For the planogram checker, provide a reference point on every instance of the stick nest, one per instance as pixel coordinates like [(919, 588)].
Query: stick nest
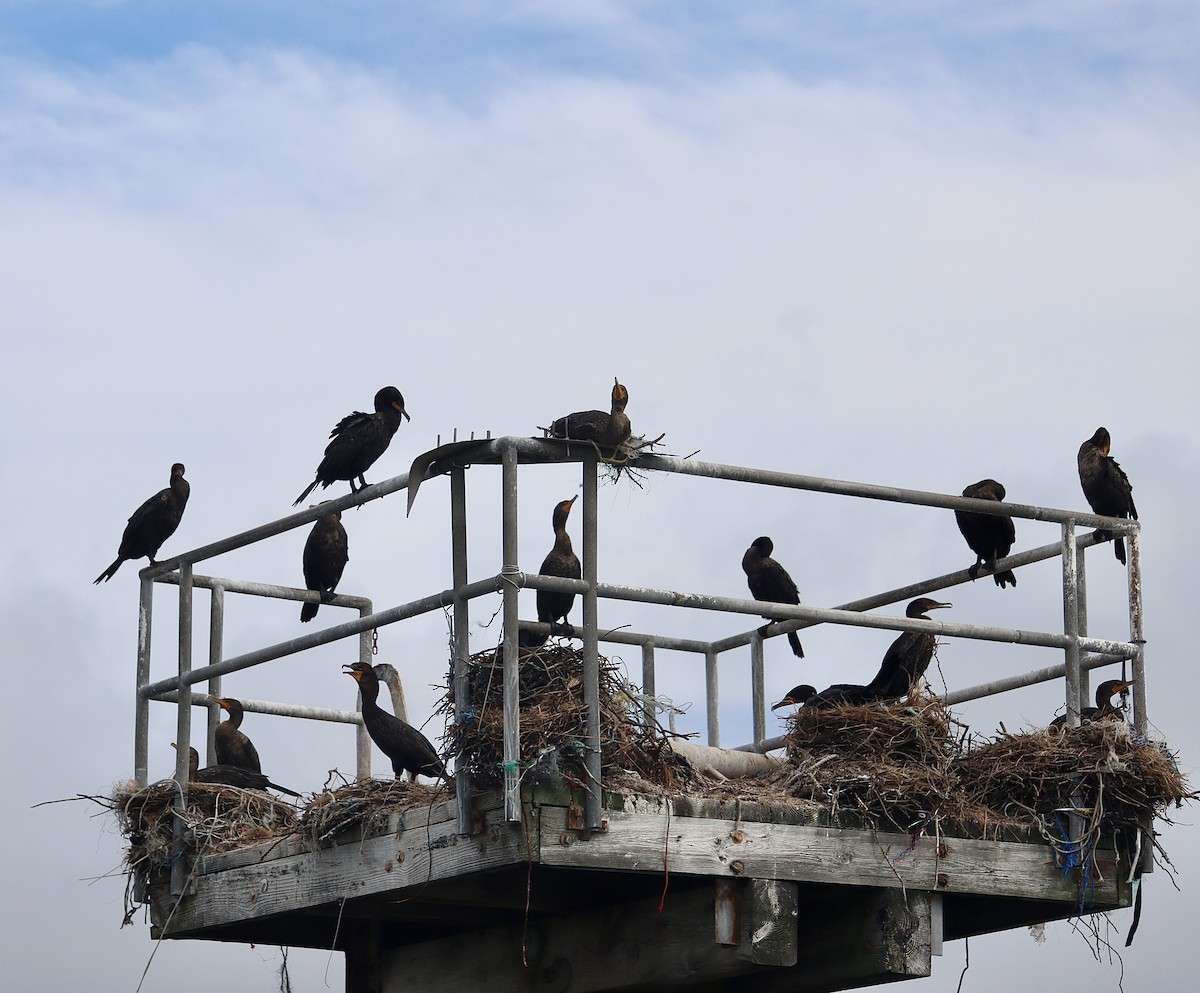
[(554, 721), (898, 767), (367, 806), (218, 818)]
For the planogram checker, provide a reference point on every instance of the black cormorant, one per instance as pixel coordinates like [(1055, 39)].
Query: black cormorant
[(399, 741), (232, 746), (230, 775), (358, 440), (1105, 485), (152, 523), (1104, 706), (562, 562), (768, 580), (907, 657), (325, 556), (606, 429), (990, 537), (838, 693)]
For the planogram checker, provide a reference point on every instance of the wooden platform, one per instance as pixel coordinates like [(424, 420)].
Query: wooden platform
[(752, 896)]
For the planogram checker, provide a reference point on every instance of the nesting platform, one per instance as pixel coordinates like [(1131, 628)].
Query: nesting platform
[(679, 893)]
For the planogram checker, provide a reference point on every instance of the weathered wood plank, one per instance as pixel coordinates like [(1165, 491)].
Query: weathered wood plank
[(307, 879), (639, 842)]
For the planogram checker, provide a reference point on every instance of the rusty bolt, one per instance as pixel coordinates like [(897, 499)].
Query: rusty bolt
[(389, 865), (737, 867), (942, 880), (564, 839), (737, 837)]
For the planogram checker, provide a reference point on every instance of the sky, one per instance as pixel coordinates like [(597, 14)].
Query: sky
[(914, 245)]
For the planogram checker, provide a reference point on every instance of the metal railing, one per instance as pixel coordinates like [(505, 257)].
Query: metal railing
[(1081, 652)]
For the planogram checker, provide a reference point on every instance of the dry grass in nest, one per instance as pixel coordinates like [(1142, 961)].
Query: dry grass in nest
[(366, 806), (885, 766), (553, 721), (1101, 768), (219, 818)]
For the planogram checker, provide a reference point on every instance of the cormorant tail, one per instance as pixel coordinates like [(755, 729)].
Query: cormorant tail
[(794, 641)]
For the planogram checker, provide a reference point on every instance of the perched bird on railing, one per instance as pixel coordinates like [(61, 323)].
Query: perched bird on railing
[(838, 693), (407, 748), (1105, 485), (908, 656), (152, 523), (607, 430), (990, 537), (1104, 708), (562, 562), (232, 746), (229, 775), (325, 556), (358, 440), (768, 580)]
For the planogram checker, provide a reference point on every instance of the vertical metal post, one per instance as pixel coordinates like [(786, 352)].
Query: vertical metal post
[(1137, 634), (183, 729), (648, 683), (462, 633), (1071, 623), (712, 698), (591, 644), (758, 689), (1081, 618), (362, 740), (512, 683), (141, 705), (216, 639)]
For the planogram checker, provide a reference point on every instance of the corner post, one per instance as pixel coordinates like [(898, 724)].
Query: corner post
[(591, 642), (462, 633), (511, 756)]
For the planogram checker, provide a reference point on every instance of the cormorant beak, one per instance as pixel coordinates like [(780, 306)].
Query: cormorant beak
[(571, 502), (400, 407), (937, 605), (175, 746), (349, 671), (787, 701), (222, 704)]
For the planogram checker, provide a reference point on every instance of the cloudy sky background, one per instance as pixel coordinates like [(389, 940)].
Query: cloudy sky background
[(912, 247)]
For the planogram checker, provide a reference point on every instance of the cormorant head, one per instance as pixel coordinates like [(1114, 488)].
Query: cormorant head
[(620, 395), (193, 758), (391, 397), (233, 706), (1110, 688), (985, 489), (177, 470), (797, 694), (562, 510), (1102, 440), (361, 671), (919, 606), (764, 545)]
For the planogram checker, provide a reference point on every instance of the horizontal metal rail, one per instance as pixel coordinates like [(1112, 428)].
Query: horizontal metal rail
[(273, 708), (268, 590)]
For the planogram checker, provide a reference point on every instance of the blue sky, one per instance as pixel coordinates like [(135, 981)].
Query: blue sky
[(913, 244)]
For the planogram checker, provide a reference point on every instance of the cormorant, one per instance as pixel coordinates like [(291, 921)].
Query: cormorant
[(907, 657), (233, 747), (152, 523), (606, 429), (1104, 706), (325, 556), (401, 742), (1105, 485), (358, 440), (230, 775), (562, 562), (768, 580), (838, 693), (990, 537)]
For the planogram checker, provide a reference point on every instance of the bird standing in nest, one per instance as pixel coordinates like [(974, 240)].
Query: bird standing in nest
[(407, 748), (232, 746), (1105, 485), (608, 430), (562, 562), (152, 523), (326, 553), (229, 775), (358, 440), (768, 580), (908, 656), (990, 537), (1104, 708)]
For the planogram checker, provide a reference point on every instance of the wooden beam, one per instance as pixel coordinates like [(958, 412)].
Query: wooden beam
[(624, 946), (641, 842)]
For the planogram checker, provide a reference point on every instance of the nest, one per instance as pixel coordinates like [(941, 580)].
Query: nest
[(884, 766), (366, 806), (217, 819), (554, 721), (899, 766), (1101, 769)]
